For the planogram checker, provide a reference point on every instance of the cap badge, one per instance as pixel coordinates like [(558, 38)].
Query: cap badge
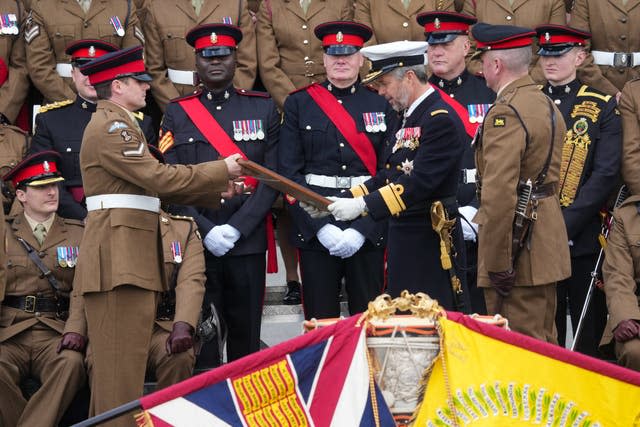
[(436, 23), (339, 37), (45, 166), (92, 51), (214, 38), (547, 37)]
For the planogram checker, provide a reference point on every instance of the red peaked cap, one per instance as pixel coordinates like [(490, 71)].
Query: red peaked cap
[(113, 65)]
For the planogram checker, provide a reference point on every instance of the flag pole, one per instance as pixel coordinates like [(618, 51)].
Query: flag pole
[(109, 415)]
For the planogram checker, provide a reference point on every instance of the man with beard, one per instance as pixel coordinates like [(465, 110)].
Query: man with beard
[(416, 188)]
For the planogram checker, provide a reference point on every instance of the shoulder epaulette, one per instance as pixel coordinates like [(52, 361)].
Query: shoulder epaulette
[(195, 93), (138, 115), (182, 217), (436, 112), (591, 92), (14, 128), (252, 93), (302, 88), (54, 105), (73, 222)]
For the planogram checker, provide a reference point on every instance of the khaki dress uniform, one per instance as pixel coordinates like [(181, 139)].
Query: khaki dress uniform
[(391, 21), (13, 91), (34, 353), (522, 13), (630, 111), (13, 146), (290, 55), (621, 272), (513, 146), (120, 271), (185, 275), (54, 24), (165, 27), (613, 29)]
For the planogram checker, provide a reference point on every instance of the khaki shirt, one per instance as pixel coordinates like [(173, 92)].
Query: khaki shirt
[(122, 246), (166, 24), (14, 90), (510, 150), (54, 24), (190, 277), (391, 22), (621, 267), (522, 13), (25, 278), (290, 54), (13, 146)]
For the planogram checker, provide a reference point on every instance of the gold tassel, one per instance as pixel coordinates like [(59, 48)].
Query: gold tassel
[(143, 419)]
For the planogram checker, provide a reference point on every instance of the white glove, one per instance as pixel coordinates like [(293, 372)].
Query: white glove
[(230, 232), (329, 235), (313, 211), (469, 228), (350, 243), (216, 242), (344, 209)]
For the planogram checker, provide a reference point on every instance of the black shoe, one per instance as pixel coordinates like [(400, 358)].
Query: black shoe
[(292, 297)]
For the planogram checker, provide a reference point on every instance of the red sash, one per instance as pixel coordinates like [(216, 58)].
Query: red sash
[(341, 118), (462, 112), (220, 141)]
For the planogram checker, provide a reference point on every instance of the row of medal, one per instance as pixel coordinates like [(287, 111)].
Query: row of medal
[(9, 24), (407, 138), (176, 252), (374, 122), (67, 256), (477, 112), (117, 25), (245, 130)]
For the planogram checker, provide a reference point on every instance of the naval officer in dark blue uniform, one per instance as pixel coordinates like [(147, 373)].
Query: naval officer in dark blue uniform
[(215, 121), (421, 168), (589, 172), (60, 126), (447, 35), (333, 137)]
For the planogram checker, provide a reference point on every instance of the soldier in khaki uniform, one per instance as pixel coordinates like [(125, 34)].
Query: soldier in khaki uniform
[(120, 272), (14, 80), (613, 24), (290, 55), (520, 139), (169, 57), (629, 107), (53, 24), (394, 20), (171, 355), (34, 308), (621, 271), (523, 13), (13, 147)]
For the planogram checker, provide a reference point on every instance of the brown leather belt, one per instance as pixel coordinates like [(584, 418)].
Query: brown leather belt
[(543, 191), (31, 303)]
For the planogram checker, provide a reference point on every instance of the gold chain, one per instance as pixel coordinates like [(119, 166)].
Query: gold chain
[(372, 391), (445, 375)]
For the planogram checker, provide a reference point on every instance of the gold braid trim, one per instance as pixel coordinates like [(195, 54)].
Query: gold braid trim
[(359, 190), (143, 419), (391, 195)]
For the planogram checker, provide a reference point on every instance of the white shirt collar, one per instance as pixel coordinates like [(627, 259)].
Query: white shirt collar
[(418, 101)]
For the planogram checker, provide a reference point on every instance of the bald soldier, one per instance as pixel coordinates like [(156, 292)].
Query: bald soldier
[(518, 152), (120, 272), (169, 57)]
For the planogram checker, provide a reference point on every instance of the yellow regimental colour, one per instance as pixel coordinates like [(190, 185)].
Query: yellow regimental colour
[(483, 381)]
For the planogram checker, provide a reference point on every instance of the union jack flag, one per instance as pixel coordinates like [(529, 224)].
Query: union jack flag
[(319, 379)]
